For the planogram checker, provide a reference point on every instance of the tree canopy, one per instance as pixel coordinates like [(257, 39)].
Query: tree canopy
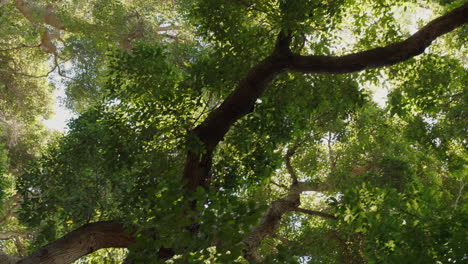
[(234, 131)]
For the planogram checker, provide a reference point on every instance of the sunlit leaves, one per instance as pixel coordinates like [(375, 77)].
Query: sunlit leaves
[(417, 226)]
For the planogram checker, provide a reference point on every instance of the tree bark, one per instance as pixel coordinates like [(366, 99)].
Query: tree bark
[(80, 242), (37, 14), (238, 104)]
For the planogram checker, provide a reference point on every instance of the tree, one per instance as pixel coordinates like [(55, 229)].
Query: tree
[(255, 140)]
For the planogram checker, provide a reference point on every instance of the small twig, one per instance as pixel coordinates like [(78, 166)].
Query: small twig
[(59, 70), (283, 240), (330, 151), (202, 113), (280, 185), (33, 76), (56, 67), (168, 28), (315, 213)]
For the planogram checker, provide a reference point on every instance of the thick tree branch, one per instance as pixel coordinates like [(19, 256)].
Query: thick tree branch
[(382, 56), (126, 40), (37, 14), (47, 45), (280, 185), (238, 104), (242, 100), (80, 242)]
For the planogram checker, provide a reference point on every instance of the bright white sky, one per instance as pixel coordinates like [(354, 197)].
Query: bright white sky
[(62, 114)]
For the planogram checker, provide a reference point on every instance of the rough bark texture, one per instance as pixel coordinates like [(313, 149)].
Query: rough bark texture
[(37, 14), (80, 242), (10, 234)]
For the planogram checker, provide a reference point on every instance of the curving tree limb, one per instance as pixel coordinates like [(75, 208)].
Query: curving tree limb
[(242, 100), (382, 56), (315, 213), (82, 241), (36, 14)]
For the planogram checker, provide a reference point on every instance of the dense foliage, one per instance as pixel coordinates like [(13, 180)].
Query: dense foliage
[(317, 171)]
